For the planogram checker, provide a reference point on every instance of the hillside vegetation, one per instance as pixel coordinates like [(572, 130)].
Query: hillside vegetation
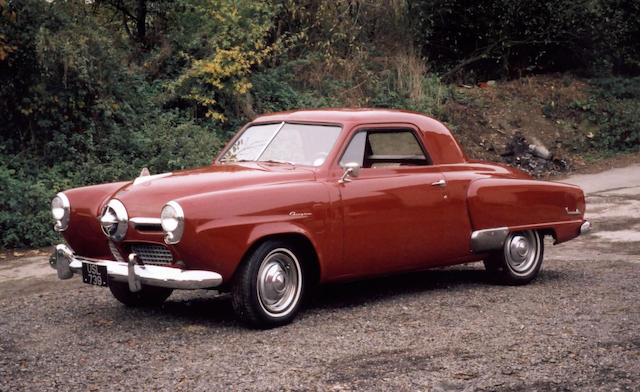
[(93, 91)]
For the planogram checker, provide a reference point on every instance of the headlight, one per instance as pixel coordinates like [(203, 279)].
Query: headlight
[(60, 209), (172, 220)]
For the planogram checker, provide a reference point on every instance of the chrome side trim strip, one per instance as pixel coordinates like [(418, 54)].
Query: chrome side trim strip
[(66, 263), (143, 221), (488, 239), (576, 212)]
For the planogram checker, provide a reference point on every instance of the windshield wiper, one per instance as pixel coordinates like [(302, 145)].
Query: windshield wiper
[(279, 161)]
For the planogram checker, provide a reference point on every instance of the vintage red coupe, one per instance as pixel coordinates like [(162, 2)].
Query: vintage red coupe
[(307, 197)]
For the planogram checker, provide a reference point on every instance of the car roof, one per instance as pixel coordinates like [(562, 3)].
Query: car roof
[(443, 147), (356, 115)]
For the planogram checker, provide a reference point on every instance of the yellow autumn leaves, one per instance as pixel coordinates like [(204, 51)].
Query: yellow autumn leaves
[(10, 16), (236, 45)]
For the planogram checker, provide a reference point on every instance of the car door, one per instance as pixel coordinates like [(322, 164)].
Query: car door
[(396, 214)]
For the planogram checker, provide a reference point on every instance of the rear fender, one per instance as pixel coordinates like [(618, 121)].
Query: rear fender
[(499, 206)]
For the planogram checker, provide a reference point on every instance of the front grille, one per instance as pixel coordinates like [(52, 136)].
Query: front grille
[(152, 253)]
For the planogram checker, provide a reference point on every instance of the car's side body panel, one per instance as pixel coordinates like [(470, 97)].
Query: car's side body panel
[(402, 219)]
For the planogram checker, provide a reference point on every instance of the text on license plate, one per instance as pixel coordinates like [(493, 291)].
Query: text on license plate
[(94, 274)]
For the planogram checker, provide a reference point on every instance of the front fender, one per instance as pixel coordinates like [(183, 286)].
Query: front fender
[(84, 233), (221, 226)]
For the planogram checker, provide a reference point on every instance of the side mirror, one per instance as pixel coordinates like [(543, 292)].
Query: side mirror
[(351, 169)]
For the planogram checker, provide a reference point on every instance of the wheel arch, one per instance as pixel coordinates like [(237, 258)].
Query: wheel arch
[(310, 261), (490, 240), (547, 231)]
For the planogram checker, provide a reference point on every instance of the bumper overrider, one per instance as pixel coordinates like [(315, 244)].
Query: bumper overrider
[(134, 272)]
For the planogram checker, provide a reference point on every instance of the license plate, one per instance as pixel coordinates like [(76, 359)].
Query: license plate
[(94, 274)]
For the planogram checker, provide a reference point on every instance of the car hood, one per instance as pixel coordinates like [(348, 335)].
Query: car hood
[(145, 196)]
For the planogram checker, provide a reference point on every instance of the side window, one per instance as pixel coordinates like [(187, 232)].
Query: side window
[(355, 150), (384, 148), (394, 143)]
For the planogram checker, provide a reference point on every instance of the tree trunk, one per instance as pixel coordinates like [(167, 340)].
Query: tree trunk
[(141, 21)]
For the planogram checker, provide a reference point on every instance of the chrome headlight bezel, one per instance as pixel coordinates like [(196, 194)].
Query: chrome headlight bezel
[(114, 220), (61, 211), (172, 222)]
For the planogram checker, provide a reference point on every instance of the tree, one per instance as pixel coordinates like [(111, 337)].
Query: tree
[(497, 38), (136, 15), (231, 41)]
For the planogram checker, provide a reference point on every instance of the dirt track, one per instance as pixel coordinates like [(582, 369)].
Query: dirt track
[(575, 328)]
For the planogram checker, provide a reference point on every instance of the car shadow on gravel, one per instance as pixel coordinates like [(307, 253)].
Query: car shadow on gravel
[(200, 309), (182, 308), (337, 295), (451, 279), (209, 309)]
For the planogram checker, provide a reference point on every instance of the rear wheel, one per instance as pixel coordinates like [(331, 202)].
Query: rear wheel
[(148, 296), (268, 286), (519, 260)]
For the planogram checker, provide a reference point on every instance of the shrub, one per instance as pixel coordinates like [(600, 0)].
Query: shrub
[(496, 38), (619, 123), (23, 220), (165, 142), (614, 109)]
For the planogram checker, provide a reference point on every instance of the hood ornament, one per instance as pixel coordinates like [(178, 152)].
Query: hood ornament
[(144, 172)]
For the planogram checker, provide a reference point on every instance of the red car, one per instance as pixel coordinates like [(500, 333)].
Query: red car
[(307, 197)]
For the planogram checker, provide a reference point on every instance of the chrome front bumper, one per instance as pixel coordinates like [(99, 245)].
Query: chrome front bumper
[(66, 263)]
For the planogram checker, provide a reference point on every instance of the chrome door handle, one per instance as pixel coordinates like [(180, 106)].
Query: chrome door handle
[(441, 183)]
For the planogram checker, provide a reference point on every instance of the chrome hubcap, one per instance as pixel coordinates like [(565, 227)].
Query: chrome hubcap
[(521, 251), (279, 282)]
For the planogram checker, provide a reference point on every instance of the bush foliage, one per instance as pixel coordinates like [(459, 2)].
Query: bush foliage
[(504, 38), (614, 109), (94, 91)]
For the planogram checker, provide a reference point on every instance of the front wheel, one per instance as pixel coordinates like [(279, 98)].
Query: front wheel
[(268, 286), (148, 296), (519, 260)]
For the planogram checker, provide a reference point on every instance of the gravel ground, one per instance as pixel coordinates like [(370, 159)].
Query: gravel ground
[(574, 328)]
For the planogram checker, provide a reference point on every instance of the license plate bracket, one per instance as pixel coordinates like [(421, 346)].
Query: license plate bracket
[(94, 274)]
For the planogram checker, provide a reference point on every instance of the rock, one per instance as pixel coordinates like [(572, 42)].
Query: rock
[(532, 157), (540, 151)]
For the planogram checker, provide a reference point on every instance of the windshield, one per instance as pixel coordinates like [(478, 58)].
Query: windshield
[(299, 144)]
